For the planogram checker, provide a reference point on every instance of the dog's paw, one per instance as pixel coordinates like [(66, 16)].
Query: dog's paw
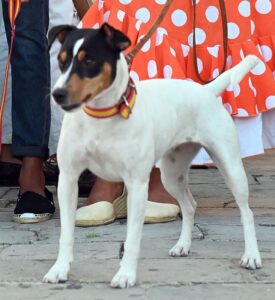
[(180, 250), (123, 280), (57, 274), (251, 261)]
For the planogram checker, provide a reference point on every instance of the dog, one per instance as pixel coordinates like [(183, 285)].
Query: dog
[(119, 130)]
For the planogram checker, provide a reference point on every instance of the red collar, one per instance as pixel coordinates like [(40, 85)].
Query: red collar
[(123, 107)]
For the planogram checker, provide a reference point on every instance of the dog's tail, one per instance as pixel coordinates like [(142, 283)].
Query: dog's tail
[(234, 75)]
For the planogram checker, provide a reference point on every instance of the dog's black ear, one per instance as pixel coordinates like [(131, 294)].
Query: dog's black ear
[(59, 32), (114, 37)]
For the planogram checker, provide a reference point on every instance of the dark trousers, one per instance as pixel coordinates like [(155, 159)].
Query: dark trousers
[(30, 70)]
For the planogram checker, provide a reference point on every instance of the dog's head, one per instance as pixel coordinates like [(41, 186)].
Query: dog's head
[(88, 61)]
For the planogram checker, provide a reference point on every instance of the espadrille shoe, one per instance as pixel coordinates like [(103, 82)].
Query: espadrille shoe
[(102, 212), (160, 212), (33, 208)]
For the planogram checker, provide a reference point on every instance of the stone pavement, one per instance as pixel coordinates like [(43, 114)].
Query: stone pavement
[(210, 272)]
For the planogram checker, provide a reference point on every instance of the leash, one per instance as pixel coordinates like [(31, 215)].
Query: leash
[(13, 11), (225, 39), (130, 56)]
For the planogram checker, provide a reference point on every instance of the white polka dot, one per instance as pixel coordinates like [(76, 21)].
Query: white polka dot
[(228, 107), (120, 15), (236, 90), (233, 30), (266, 52), (252, 87), (160, 33), (270, 102), (200, 65), (125, 1), (96, 26), (167, 71), (143, 14), (229, 61), (252, 27), (106, 16), (100, 5), (160, 1), (216, 73), (179, 17), (134, 75), (138, 24), (244, 8), (273, 74), (200, 37), (214, 51), (152, 68), (241, 54), (259, 49), (173, 52), (259, 69), (242, 112), (263, 6), (146, 46), (185, 49), (212, 14)]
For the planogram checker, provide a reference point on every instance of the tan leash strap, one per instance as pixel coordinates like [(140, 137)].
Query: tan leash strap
[(130, 56), (225, 39)]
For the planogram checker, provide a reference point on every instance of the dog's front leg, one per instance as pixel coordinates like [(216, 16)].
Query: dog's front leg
[(136, 200), (67, 198)]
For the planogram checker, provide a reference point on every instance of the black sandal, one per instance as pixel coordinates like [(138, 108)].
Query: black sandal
[(33, 208)]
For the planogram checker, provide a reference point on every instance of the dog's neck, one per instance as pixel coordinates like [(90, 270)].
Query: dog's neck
[(113, 93)]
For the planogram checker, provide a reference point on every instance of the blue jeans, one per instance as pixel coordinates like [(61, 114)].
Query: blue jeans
[(30, 70)]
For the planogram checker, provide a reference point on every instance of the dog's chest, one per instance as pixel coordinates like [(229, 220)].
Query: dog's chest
[(107, 152)]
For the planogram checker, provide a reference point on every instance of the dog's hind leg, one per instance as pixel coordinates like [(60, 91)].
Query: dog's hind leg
[(67, 198), (174, 174), (226, 156), (136, 199)]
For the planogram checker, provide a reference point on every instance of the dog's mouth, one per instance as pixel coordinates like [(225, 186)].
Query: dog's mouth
[(88, 97), (70, 107), (74, 106)]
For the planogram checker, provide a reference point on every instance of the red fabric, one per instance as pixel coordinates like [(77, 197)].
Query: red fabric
[(168, 54)]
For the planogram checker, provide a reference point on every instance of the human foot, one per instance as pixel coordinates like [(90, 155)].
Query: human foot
[(104, 191), (157, 192)]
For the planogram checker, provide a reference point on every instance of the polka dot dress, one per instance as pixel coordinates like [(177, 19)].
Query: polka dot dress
[(169, 54)]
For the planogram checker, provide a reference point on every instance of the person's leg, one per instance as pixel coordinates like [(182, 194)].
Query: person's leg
[(30, 102), (107, 201)]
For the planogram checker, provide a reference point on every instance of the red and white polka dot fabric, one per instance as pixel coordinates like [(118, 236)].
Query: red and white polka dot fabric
[(168, 53)]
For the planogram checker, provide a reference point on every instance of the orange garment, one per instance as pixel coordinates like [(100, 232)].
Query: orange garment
[(168, 53)]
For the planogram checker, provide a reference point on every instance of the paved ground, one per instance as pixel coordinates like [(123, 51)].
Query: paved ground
[(210, 272)]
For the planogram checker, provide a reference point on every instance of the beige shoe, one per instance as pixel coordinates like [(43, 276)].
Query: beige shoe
[(102, 212), (160, 212)]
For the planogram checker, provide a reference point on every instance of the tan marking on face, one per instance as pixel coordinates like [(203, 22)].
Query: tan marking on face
[(62, 57), (81, 54), (79, 89)]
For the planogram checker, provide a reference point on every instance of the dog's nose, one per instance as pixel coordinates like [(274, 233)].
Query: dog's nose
[(60, 95)]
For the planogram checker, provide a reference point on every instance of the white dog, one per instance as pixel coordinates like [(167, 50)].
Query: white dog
[(120, 135)]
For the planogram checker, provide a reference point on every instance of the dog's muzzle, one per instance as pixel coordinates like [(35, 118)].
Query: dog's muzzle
[(60, 95)]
